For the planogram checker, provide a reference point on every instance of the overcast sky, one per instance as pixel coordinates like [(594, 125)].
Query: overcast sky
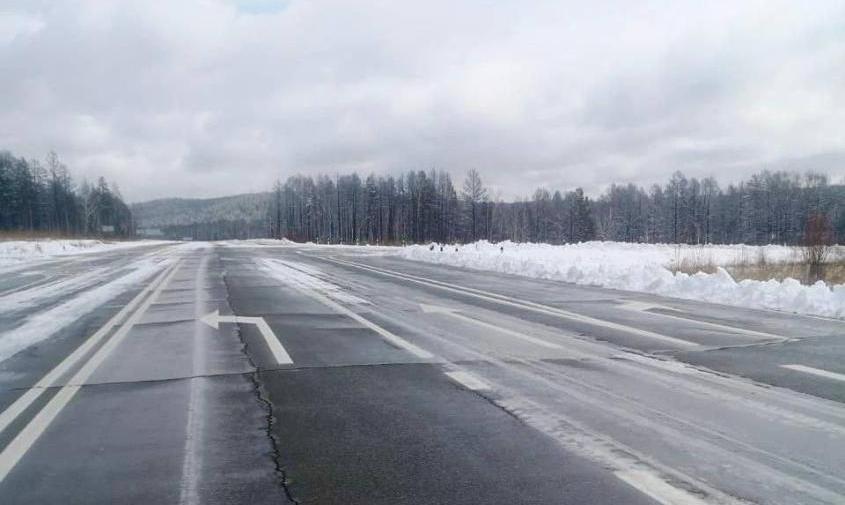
[(205, 98)]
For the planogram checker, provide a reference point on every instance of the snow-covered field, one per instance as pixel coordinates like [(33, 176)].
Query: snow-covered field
[(648, 268), (19, 252)]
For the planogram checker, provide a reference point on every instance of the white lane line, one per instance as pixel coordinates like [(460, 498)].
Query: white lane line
[(657, 489), (281, 356), (468, 380), (646, 307), (193, 463), (816, 371), (24, 440), (32, 394), (435, 309), (390, 337), (522, 304)]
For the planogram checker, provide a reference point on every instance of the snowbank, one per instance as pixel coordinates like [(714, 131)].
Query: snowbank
[(17, 252), (645, 268)]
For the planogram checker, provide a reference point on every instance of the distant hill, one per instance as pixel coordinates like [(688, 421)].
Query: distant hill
[(237, 216)]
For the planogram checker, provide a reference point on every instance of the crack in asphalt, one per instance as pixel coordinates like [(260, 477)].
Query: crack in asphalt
[(264, 400), (262, 397)]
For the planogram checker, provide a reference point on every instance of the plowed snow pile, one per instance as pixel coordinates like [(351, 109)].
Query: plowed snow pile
[(646, 268)]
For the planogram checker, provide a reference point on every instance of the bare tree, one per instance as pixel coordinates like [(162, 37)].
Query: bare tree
[(474, 194), (818, 238)]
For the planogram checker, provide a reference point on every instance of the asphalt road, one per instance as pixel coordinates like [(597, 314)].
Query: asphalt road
[(226, 373)]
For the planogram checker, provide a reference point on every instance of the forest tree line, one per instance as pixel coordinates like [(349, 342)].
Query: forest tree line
[(421, 207), (42, 198)]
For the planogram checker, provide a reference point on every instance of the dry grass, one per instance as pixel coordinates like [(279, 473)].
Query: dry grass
[(6, 236), (691, 260), (832, 272), (28, 235), (753, 264), (692, 266)]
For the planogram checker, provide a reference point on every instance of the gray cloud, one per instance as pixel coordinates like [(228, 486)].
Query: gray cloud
[(203, 97)]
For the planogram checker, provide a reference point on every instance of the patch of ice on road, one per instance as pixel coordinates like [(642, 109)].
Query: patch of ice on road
[(644, 268), (43, 325), (306, 276)]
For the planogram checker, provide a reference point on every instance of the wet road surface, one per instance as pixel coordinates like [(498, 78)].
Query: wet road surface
[(329, 376)]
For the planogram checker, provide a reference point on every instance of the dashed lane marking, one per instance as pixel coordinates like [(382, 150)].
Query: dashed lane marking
[(468, 380), (816, 371)]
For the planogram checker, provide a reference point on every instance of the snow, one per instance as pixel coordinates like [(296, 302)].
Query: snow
[(60, 286), (283, 243), (43, 325), (646, 268), (21, 252), (257, 242), (307, 277)]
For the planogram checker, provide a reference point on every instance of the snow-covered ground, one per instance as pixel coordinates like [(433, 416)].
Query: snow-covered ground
[(648, 268), (20, 252)]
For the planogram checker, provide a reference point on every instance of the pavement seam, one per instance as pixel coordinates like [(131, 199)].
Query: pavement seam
[(258, 370)]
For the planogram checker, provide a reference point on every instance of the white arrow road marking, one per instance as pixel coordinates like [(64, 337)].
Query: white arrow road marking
[(16, 449), (816, 371), (646, 307), (468, 380), (282, 357), (642, 306), (436, 309), (657, 489)]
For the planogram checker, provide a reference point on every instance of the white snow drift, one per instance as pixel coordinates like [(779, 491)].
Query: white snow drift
[(21, 252), (645, 268), (43, 325)]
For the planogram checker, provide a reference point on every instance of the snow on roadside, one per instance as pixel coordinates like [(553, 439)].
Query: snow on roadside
[(645, 268), (43, 325), (17, 252)]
